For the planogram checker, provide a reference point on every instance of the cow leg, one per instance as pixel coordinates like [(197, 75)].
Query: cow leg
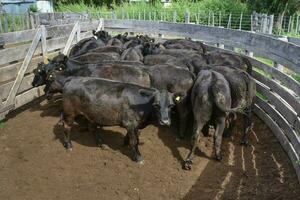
[(247, 126), (126, 138), (220, 125), (195, 138), (67, 123), (183, 115), (133, 143), (99, 139), (231, 125)]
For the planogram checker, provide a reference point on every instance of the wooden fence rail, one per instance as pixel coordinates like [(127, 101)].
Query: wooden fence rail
[(279, 109)]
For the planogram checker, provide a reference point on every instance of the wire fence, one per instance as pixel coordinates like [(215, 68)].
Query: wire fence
[(242, 21)]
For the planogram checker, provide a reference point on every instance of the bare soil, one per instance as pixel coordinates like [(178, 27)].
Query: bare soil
[(34, 164)]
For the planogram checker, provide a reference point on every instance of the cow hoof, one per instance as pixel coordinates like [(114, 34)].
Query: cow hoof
[(68, 146), (139, 159), (103, 146), (187, 165), (141, 162), (245, 143), (218, 157)]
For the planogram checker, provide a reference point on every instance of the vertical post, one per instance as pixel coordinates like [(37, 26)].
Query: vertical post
[(277, 65), (31, 21), (289, 25), (139, 15), (271, 24), (229, 21), (27, 21), (123, 14), (113, 15), (208, 21), (13, 19), (154, 15), (213, 19), (150, 16), (23, 18), (220, 19), (175, 16), (251, 18), (1, 30), (297, 25), (5, 23), (241, 19), (144, 15), (187, 17), (78, 33), (44, 43)]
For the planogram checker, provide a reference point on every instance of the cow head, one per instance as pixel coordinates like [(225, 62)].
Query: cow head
[(101, 35), (52, 83), (163, 102), (39, 75)]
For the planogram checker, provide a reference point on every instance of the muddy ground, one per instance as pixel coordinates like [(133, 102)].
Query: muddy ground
[(34, 164)]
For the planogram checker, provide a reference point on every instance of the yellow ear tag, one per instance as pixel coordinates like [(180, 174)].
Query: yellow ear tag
[(46, 60), (177, 98)]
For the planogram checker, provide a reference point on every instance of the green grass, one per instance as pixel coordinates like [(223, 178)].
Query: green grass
[(265, 60), (199, 10)]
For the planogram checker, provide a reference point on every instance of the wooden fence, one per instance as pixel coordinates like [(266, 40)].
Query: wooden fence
[(22, 52), (279, 108)]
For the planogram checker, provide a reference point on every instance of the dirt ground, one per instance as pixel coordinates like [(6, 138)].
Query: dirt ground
[(34, 164)]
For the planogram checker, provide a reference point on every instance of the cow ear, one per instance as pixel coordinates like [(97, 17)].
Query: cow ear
[(94, 32), (125, 34), (145, 92), (152, 40)]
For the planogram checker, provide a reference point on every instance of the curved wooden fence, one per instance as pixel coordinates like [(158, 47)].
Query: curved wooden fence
[(278, 104)]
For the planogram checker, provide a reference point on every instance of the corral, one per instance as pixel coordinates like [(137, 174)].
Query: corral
[(34, 165)]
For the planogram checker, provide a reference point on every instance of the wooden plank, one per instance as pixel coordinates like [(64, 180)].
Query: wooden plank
[(71, 38), (286, 80), (284, 109), (44, 43), (16, 85), (287, 146), (25, 85), (52, 31), (28, 96), (292, 100), (292, 136), (18, 53), (285, 53), (9, 72)]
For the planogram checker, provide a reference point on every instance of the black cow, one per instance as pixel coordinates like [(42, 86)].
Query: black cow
[(211, 99), (185, 44), (109, 103)]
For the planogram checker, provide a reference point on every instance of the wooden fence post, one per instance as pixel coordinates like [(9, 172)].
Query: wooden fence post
[(251, 20), (187, 17), (229, 21), (213, 19), (289, 25), (220, 19), (175, 16), (208, 21), (277, 65), (1, 30), (44, 43), (31, 21), (14, 89), (271, 22), (70, 39), (5, 23), (297, 25), (241, 19)]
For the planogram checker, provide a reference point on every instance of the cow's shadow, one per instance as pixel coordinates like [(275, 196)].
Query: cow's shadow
[(80, 135)]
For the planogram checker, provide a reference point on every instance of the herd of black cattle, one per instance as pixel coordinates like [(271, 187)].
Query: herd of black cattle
[(130, 81)]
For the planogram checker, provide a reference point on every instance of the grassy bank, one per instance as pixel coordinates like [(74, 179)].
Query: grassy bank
[(203, 12)]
